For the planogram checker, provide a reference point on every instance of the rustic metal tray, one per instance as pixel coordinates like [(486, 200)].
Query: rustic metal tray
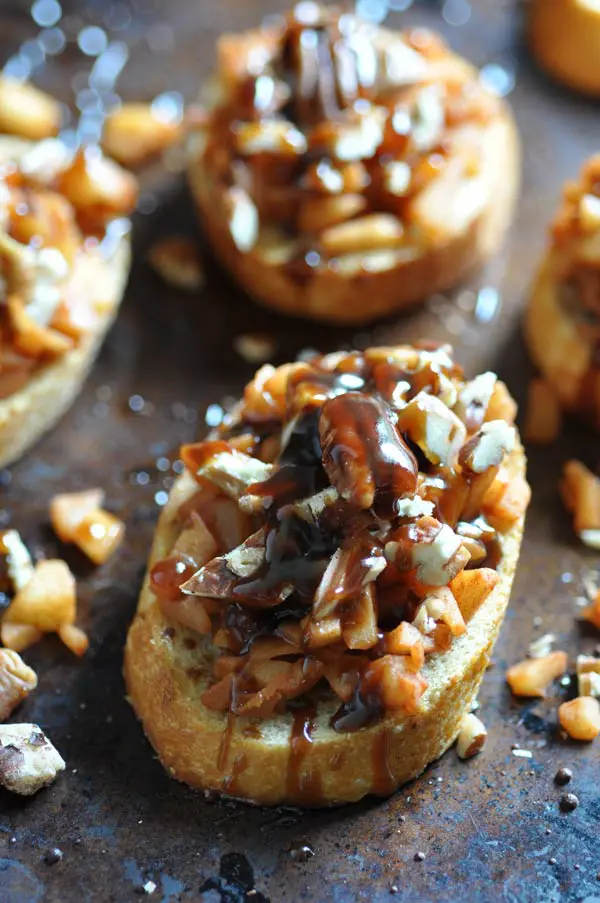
[(491, 829)]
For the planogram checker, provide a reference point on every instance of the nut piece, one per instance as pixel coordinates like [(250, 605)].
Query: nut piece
[(592, 612), (543, 415), (488, 447), (580, 718), (176, 261), (374, 232), (99, 535), (68, 509), (471, 738), (134, 133), (28, 760), (437, 430), (580, 490), (542, 646), (474, 398), (47, 601), (17, 680), (588, 675), (433, 549), (19, 564), (26, 111), (532, 676)]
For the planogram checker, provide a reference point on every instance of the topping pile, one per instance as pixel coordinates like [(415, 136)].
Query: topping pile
[(321, 135), (54, 207), (576, 239), (344, 526)]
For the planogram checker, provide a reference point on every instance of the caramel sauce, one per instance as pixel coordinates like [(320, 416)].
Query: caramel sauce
[(365, 449), (229, 783), (169, 574), (384, 782), (362, 710), (302, 785)]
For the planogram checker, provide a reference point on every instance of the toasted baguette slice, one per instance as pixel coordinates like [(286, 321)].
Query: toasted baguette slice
[(472, 214), (565, 39), (167, 667), (34, 409), (555, 342)]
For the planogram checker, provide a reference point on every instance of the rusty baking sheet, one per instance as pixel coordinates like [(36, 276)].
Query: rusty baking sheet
[(490, 830)]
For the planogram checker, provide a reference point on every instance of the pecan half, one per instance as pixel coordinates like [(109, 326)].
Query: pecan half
[(364, 456)]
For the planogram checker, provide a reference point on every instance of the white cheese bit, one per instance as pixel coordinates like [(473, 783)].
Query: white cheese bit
[(415, 507), (234, 472), (471, 738), (45, 160), (432, 558), (542, 646), (19, 563), (50, 273), (428, 118), (494, 440), (243, 221), (360, 141), (397, 176), (245, 560), (28, 760)]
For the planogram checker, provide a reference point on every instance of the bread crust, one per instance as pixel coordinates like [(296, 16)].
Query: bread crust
[(167, 668), (34, 409), (564, 36), (364, 296)]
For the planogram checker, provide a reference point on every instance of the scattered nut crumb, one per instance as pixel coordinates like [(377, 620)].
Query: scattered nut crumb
[(532, 676), (28, 760), (471, 738), (17, 681), (542, 646), (580, 718), (255, 348), (176, 261)]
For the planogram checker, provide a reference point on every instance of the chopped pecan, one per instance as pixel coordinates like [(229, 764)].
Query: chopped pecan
[(364, 456), (433, 550), (434, 427), (16, 681)]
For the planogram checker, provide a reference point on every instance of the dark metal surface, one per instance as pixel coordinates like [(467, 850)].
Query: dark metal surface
[(491, 829)]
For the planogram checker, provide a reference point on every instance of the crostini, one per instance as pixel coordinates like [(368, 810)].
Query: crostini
[(562, 323), (564, 36), (328, 578), (64, 261), (343, 171)]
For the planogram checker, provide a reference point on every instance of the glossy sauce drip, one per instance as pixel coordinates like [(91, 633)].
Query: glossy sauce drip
[(362, 710), (302, 785), (238, 767), (364, 454), (299, 472), (169, 574), (384, 782), (225, 743)]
